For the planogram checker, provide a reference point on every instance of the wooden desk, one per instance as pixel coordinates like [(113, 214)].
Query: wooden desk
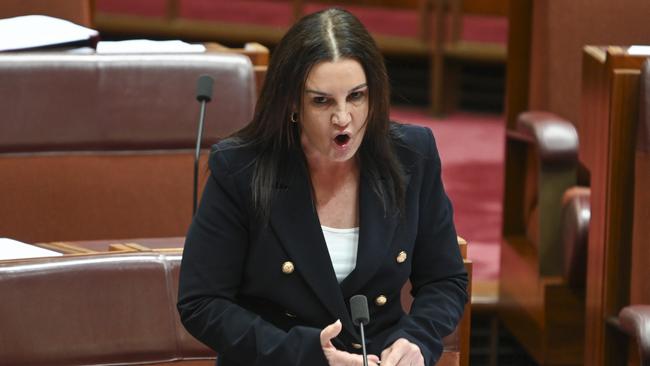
[(127, 245), (607, 130)]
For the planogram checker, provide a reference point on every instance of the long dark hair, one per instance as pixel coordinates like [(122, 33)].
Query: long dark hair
[(327, 35)]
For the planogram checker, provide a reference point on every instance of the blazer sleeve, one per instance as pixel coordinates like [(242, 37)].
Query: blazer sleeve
[(211, 275), (438, 275)]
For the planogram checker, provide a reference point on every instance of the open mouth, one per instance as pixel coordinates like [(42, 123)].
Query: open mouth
[(341, 140)]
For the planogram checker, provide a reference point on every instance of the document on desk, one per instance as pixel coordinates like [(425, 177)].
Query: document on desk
[(33, 31), (148, 46), (639, 50), (14, 249)]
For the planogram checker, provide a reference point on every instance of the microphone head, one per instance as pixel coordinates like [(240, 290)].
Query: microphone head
[(359, 310), (204, 88)]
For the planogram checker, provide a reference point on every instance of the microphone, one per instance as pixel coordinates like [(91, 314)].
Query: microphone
[(203, 95), (360, 317)]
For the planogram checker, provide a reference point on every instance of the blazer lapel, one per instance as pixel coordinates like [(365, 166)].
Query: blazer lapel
[(295, 221), (376, 232)]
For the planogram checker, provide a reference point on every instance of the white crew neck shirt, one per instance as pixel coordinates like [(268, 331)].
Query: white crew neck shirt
[(342, 245)]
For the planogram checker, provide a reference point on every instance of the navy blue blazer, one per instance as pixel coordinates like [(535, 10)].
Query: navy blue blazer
[(239, 296)]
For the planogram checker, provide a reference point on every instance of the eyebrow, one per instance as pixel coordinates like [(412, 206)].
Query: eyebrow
[(325, 94)]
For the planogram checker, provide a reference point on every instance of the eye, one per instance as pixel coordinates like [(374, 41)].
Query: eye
[(357, 95), (320, 100)]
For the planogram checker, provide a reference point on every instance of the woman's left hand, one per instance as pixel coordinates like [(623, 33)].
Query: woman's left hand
[(402, 353)]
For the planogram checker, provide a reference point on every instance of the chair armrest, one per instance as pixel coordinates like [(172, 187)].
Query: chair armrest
[(551, 154), (635, 321), (574, 227), (556, 138)]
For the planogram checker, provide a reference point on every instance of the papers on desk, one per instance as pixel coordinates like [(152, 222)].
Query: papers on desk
[(13, 249), (32, 31), (639, 50), (148, 46)]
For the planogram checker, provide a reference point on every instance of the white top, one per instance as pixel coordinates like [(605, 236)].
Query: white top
[(342, 245)]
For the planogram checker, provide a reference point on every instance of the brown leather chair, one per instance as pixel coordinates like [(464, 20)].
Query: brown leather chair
[(574, 228), (618, 206), (634, 320), (616, 284), (456, 345), (114, 308), (543, 240), (101, 146), (94, 309)]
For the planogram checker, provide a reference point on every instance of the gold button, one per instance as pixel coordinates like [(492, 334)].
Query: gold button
[(287, 267), (401, 257), (381, 300), (356, 346)]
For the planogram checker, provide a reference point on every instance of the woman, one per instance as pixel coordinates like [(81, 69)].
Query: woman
[(318, 199)]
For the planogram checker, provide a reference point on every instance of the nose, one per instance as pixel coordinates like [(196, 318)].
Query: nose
[(341, 117)]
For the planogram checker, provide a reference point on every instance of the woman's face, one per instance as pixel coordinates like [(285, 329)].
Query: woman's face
[(335, 110)]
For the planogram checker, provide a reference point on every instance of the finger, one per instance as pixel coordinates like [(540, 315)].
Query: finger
[(330, 332), (393, 359), (385, 354), (338, 357), (373, 358), (404, 353), (413, 354), (396, 353)]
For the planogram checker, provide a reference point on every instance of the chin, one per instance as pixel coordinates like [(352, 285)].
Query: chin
[(339, 157)]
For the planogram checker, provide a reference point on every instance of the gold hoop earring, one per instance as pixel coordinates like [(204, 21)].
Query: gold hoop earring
[(294, 117)]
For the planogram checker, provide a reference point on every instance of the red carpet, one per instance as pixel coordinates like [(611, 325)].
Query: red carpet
[(472, 152)]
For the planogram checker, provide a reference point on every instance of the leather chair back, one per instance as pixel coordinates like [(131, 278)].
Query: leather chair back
[(93, 309), (90, 102), (102, 146)]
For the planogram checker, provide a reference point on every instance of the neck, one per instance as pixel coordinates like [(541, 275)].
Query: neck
[(335, 189), (328, 170)]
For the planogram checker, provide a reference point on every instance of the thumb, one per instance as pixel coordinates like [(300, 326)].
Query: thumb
[(330, 332)]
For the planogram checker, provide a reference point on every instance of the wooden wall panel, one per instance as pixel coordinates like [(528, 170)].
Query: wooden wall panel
[(77, 11), (560, 29), (518, 63), (485, 7)]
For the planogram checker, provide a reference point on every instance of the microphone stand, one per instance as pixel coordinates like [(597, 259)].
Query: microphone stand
[(197, 152), (203, 95), (363, 345)]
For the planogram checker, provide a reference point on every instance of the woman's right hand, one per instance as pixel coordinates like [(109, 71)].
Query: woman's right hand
[(341, 358)]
